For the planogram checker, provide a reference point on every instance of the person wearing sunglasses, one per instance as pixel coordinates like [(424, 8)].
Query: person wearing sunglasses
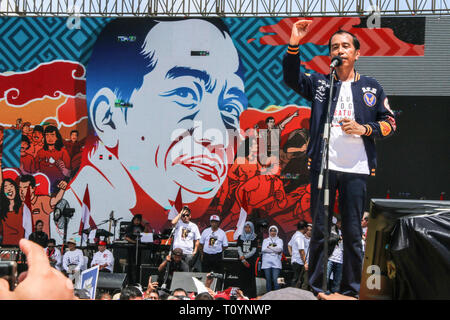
[(186, 236)]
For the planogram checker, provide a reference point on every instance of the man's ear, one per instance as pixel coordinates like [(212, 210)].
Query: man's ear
[(104, 117), (357, 54)]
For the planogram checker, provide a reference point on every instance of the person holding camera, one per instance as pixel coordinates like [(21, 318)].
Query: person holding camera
[(271, 250), (176, 264)]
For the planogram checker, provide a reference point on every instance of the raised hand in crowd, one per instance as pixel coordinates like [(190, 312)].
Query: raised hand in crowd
[(41, 282)]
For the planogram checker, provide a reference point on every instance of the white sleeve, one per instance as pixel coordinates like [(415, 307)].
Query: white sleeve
[(300, 243), (81, 260), (225, 240), (110, 260), (264, 247), (203, 237), (279, 247), (196, 233), (65, 262), (58, 257)]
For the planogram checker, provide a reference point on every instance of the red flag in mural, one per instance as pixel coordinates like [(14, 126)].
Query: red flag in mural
[(86, 219), (242, 218)]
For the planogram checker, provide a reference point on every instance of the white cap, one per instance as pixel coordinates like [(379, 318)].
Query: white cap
[(334, 220), (214, 217)]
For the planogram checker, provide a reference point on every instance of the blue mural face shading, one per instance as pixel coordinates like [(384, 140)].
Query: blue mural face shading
[(181, 106)]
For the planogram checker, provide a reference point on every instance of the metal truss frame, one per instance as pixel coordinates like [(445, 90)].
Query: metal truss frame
[(236, 8)]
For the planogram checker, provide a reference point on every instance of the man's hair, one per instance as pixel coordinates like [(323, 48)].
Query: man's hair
[(26, 124), (130, 63), (302, 225), (81, 293), (76, 131), (51, 241), (130, 292), (38, 128), (204, 296), (137, 216), (179, 289), (340, 31), (269, 118), (59, 141), (28, 178), (25, 139), (39, 221)]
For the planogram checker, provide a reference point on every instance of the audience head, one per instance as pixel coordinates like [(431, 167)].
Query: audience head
[(204, 296), (131, 293), (179, 292)]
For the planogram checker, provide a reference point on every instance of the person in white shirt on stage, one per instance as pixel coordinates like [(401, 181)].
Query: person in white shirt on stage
[(335, 262), (53, 254), (297, 250), (271, 249), (73, 261), (103, 258), (212, 243), (186, 236)]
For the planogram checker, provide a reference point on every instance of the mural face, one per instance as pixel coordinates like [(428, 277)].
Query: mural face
[(126, 116)]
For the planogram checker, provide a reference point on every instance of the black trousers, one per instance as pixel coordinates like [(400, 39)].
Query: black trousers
[(352, 197), (212, 263), (247, 278), (299, 270)]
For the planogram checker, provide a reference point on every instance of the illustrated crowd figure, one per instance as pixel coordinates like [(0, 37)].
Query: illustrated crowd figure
[(43, 150)]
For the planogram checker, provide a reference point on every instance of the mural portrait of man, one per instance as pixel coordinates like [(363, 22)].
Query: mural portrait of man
[(162, 98)]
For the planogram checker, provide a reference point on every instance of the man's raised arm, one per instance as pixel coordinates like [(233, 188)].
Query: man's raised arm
[(292, 76)]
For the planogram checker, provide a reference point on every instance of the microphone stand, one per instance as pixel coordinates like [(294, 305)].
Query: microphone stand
[(166, 274), (138, 236), (324, 177)]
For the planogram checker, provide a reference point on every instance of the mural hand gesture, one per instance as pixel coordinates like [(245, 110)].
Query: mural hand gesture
[(299, 30)]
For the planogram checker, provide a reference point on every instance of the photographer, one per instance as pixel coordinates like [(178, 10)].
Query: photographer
[(176, 264)]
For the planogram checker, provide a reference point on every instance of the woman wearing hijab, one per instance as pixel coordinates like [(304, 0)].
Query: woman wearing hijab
[(247, 245), (271, 249)]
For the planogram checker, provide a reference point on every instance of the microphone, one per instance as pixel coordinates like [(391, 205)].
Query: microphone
[(336, 62)]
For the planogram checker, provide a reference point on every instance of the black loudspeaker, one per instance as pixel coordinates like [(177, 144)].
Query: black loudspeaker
[(184, 280), (111, 281), (407, 252)]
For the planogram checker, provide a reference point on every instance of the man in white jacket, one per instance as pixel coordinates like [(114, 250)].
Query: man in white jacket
[(103, 258), (73, 261)]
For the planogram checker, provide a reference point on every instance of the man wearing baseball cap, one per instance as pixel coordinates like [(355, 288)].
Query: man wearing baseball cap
[(176, 264), (73, 261), (103, 258), (212, 243)]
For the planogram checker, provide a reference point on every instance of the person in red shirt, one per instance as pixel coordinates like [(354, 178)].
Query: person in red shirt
[(26, 160), (53, 159), (37, 141), (74, 149)]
